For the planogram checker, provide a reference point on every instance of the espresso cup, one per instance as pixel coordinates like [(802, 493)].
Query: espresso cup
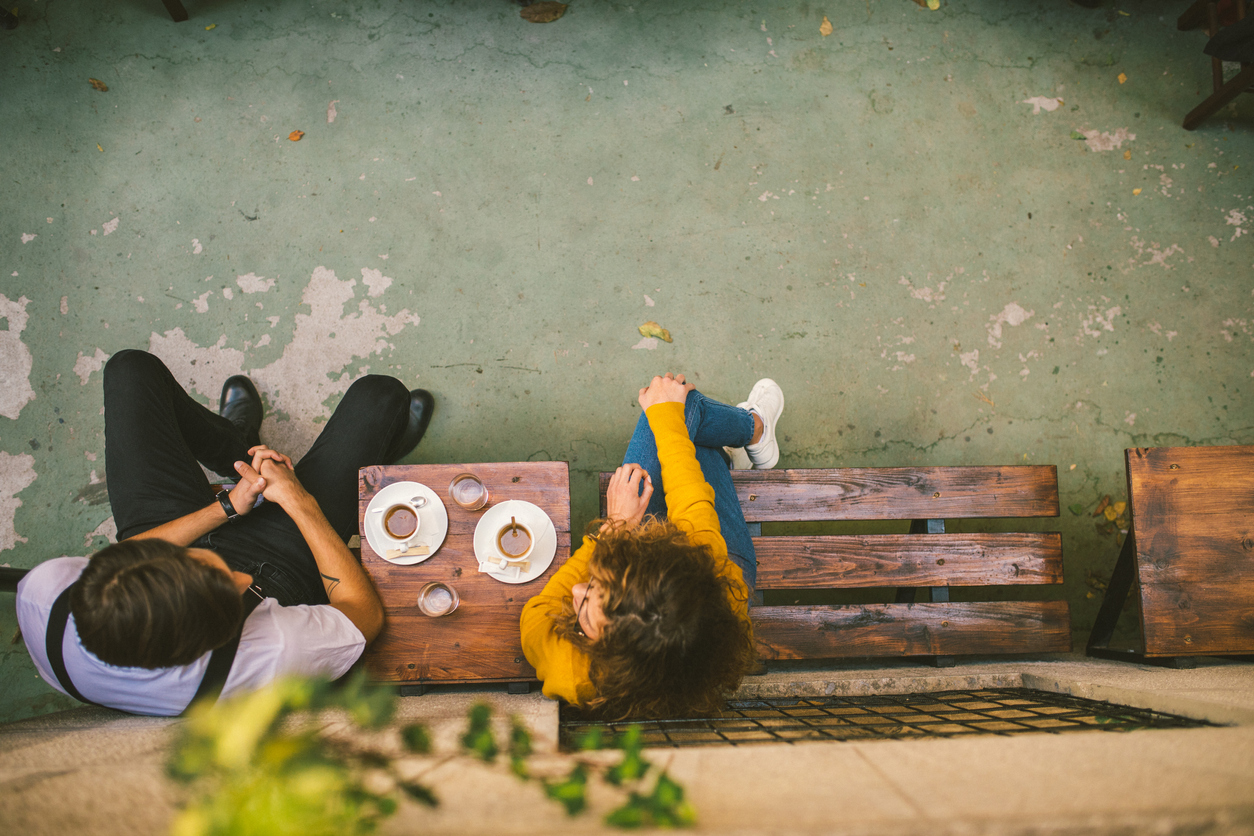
[(514, 541), (401, 520)]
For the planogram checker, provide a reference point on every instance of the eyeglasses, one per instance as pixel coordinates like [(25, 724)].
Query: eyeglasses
[(579, 612)]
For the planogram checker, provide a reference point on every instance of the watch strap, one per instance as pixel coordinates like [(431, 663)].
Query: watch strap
[(224, 499)]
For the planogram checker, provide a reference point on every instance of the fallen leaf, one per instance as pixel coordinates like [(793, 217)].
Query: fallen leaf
[(1076, 509), (652, 329), (933, 4), (1136, 191), (1101, 506), (1109, 513), (1078, 135), (825, 28), (1122, 78), (99, 85), (1119, 508), (295, 136), (543, 12), (1127, 155), (98, 148), (211, 26)]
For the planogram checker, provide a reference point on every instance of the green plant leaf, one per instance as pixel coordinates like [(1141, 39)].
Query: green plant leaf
[(591, 740), (478, 739), (572, 792), (423, 795), (416, 738)]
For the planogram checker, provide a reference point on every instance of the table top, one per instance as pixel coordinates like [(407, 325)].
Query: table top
[(480, 640)]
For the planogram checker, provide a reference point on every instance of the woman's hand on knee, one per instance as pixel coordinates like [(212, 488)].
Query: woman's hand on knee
[(625, 501), (667, 388)]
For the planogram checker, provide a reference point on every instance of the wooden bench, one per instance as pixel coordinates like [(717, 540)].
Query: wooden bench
[(927, 557), (1189, 553)]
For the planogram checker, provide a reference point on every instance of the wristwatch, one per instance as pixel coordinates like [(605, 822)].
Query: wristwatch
[(224, 499)]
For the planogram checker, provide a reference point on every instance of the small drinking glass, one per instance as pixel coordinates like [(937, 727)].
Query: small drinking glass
[(437, 598), (468, 491)]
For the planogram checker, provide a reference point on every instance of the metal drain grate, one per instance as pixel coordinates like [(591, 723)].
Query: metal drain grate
[(945, 714)]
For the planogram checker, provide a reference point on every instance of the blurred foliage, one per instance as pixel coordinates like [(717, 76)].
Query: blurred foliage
[(306, 757)]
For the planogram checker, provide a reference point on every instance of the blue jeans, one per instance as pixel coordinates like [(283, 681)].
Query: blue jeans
[(711, 426)]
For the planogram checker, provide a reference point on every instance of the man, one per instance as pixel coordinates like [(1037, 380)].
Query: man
[(210, 593)]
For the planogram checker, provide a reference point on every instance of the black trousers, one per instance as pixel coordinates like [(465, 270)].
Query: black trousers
[(155, 434)]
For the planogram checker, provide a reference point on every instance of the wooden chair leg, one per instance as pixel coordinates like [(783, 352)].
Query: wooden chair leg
[(1220, 97), (176, 10)]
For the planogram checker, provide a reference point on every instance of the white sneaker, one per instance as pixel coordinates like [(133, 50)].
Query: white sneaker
[(739, 458), (766, 399)]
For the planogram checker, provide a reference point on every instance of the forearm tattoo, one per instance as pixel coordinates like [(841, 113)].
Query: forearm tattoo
[(332, 583)]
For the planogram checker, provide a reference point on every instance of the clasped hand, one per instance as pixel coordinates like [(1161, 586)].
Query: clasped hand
[(252, 483)]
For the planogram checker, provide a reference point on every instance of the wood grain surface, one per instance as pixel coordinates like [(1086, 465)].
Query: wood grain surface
[(1193, 520), (480, 640), (893, 493), (857, 561), (912, 629)]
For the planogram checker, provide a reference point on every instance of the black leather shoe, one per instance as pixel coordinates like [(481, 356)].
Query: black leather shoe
[(241, 405), (421, 405)]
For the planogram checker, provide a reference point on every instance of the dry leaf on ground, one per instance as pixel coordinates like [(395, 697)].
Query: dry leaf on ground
[(295, 136), (543, 12), (99, 85), (1122, 78), (1101, 506), (652, 329), (825, 28)]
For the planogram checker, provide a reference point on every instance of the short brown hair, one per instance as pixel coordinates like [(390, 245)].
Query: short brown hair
[(677, 639), (150, 604)]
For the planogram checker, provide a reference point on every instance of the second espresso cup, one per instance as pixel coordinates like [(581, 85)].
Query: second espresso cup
[(514, 540)]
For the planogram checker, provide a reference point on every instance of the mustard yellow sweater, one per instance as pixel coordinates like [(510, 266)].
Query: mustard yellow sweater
[(561, 667)]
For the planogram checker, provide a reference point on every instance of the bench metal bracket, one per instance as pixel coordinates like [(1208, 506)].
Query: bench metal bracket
[(937, 594)]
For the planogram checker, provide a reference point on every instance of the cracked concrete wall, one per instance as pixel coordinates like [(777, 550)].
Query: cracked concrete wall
[(970, 236)]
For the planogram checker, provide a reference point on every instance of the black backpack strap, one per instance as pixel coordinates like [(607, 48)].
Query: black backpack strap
[(220, 662), (58, 618)]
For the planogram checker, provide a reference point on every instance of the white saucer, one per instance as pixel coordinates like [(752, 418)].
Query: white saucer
[(432, 528), (542, 550)]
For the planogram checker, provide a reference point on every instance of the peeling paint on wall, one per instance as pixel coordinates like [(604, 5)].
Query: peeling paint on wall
[(16, 474), (1013, 314), (1104, 141), (303, 383), (15, 358), (252, 283), (375, 280), (84, 366), (107, 529)]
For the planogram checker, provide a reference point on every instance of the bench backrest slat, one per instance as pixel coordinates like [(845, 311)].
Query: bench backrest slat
[(897, 493), (895, 560)]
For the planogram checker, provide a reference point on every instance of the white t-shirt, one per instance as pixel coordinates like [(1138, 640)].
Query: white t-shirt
[(277, 641)]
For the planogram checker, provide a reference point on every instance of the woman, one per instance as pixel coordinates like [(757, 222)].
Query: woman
[(649, 617)]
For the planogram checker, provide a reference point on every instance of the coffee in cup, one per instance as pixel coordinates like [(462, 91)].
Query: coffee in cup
[(514, 540), (401, 520)]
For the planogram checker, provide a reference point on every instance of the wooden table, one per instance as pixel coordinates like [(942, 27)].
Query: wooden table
[(480, 641)]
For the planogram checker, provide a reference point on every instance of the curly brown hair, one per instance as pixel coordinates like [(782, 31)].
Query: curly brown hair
[(676, 641)]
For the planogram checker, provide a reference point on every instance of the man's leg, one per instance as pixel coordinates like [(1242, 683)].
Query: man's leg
[(267, 544), (155, 434), (711, 426)]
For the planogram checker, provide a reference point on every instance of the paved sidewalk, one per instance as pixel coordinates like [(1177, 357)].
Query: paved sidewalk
[(93, 771)]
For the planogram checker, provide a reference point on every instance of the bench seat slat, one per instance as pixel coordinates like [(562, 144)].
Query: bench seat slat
[(912, 629), (894, 560), (897, 493)]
